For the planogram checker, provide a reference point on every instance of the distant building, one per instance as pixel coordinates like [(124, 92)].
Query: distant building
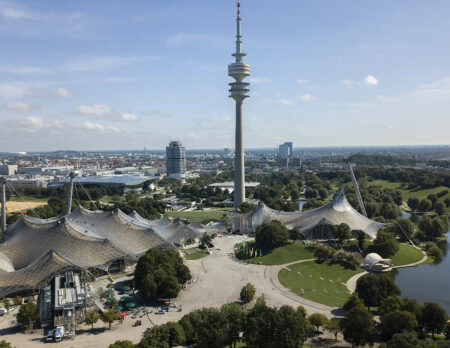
[(285, 150), (8, 169), (227, 151), (176, 160)]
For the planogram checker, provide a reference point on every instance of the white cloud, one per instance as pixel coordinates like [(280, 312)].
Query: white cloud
[(34, 122), (98, 127), (307, 97), (62, 92), (302, 82), (440, 88), (14, 13), (95, 110), (19, 106), (106, 112), (128, 117), (259, 80), (371, 81), (347, 82), (24, 70), (284, 102), (104, 63)]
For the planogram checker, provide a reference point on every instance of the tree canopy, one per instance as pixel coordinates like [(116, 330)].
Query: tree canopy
[(271, 235), (161, 273)]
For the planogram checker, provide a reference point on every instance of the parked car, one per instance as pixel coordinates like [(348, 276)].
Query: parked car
[(59, 333), (49, 337), (160, 312)]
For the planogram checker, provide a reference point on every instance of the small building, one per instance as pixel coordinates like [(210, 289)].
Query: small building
[(375, 263), (8, 169)]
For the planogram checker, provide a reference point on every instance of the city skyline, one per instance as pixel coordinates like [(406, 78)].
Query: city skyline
[(96, 77)]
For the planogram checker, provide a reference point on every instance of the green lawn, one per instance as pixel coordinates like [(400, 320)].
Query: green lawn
[(407, 254), (285, 254), (330, 290), (112, 199), (196, 255), (417, 192), (198, 215)]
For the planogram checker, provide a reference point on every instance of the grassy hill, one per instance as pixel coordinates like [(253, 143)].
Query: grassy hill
[(420, 193)]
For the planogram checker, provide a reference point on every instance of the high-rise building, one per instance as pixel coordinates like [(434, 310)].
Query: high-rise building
[(239, 91), (285, 150), (176, 160)]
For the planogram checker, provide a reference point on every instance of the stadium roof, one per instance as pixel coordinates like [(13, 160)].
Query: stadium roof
[(35, 249), (113, 180), (338, 211)]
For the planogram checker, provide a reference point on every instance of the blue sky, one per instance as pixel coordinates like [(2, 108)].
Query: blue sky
[(128, 74)]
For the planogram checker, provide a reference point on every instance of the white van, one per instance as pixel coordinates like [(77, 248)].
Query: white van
[(59, 333)]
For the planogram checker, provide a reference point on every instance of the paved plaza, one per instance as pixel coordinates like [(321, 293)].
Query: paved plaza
[(217, 279)]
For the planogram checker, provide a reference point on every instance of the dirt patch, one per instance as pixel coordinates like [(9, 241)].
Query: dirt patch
[(13, 207)]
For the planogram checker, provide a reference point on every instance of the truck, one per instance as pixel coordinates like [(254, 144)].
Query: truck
[(59, 333)]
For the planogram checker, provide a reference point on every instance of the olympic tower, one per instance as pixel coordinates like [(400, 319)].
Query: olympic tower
[(239, 91)]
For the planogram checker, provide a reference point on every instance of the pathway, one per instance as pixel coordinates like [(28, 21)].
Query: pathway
[(351, 283)]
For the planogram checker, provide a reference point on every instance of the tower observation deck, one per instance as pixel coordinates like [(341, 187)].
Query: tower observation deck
[(239, 91)]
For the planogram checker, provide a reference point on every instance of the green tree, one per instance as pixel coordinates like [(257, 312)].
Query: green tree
[(167, 335), (404, 340), (4, 344), (268, 327), (317, 320), (385, 244), (425, 205), (342, 232), (439, 208), (352, 302), (91, 318), (122, 344), (7, 303), (160, 273), (295, 195), (434, 318), (373, 289), (323, 193), (247, 207), (333, 326), (108, 317), (411, 305), (404, 229), (397, 322), (293, 234), (358, 327), (234, 317), (447, 331), (389, 211), (28, 313), (291, 327), (388, 305), (18, 300), (413, 203), (372, 209), (247, 293), (271, 235)]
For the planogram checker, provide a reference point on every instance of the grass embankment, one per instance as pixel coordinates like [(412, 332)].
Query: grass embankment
[(198, 215), (322, 283), (29, 199), (113, 199), (405, 255), (285, 254), (420, 193), (197, 255)]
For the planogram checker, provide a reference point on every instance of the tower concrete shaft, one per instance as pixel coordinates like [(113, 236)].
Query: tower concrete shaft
[(3, 214), (239, 91)]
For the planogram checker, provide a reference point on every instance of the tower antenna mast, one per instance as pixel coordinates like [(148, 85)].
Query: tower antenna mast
[(239, 91)]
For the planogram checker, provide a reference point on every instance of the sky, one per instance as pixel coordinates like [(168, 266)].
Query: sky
[(110, 75)]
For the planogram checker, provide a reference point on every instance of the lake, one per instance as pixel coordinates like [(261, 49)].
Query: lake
[(427, 283)]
